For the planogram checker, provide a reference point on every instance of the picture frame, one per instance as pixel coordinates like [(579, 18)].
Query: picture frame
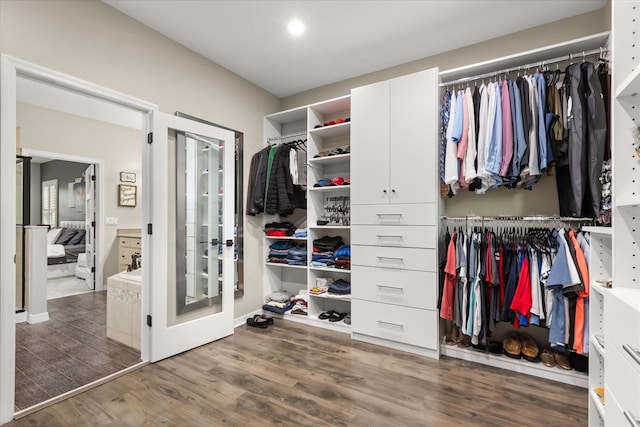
[(127, 177), (127, 195)]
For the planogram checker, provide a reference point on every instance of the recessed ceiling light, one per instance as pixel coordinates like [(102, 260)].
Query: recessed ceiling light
[(295, 27)]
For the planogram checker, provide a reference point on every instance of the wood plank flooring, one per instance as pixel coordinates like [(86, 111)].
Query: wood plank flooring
[(295, 375)]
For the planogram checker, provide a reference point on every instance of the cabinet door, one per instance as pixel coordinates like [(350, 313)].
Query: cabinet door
[(370, 144), (413, 136)]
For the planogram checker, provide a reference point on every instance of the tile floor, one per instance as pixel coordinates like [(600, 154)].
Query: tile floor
[(66, 286), (68, 351)]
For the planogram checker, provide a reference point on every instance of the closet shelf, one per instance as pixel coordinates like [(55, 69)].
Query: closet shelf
[(275, 264), (599, 289), (334, 326), (596, 345), (605, 231), (598, 404), (339, 270), (330, 160), (338, 227), (327, 295), (579, 379), (630, 87), (330, 188), (285, 238), (330, 131), (628, 201)]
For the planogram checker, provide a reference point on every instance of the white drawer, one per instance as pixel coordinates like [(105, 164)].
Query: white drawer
[(387, 257), (411, 236), (622, 378), (395, 323), (614, 414), (409, 288), (622, 317), (394, 214)]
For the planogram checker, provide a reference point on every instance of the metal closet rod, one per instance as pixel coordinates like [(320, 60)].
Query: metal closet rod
[(280, 138), (601, 51), (516, 218)]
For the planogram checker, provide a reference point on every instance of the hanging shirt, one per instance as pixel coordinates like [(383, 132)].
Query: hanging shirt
[(446, 310), (534, 160), (444, 112), (458, 120), (470, 172), (482, 134), (578, 340), (451, 162), (543, 145), (520, 144), (494, 155), (507, 128), (521, 303), (464, 140), (536, 296)]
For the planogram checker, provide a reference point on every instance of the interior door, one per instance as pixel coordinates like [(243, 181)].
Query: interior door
[(191, 242), (90, 225)]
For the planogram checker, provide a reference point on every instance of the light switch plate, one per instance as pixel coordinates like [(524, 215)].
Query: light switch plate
[(111, 220)]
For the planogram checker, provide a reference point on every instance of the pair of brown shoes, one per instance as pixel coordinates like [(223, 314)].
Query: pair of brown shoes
[(520, 346), (455, 337), (552, 358)]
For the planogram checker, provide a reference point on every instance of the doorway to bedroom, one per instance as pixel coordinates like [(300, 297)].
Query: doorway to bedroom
[(79, 166)]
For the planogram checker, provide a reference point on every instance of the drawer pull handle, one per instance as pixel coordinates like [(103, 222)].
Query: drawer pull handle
[(388, 214), (397, 325), (388, 236), (633, 353), (391, 287), (633, 421), (391, 257)]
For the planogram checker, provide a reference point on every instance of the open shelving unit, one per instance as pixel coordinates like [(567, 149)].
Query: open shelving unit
[(312, 121)]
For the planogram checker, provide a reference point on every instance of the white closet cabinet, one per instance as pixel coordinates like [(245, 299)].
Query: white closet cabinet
[(393, 122), (394, 232), (620, 374)]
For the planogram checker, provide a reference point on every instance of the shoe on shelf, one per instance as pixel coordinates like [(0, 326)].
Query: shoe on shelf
[(464, 340), (562, 360), (452, 336), (511, 345), (547, 358), (529, 348), (600, 392)]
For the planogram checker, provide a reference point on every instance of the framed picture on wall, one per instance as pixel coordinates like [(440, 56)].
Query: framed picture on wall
[(127, 177), (127, 195)]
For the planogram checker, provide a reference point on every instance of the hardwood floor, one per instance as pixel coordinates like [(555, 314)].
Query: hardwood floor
[(291, 374)]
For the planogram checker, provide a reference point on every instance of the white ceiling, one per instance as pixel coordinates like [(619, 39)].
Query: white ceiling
[(343, 39)]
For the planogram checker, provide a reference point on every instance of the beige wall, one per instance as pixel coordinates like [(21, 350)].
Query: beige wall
[(118, 147), (543, 199), (92, 41)]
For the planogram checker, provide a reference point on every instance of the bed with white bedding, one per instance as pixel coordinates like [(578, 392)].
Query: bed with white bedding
[(64, 244)]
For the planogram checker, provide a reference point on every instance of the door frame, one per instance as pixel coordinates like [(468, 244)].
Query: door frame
[(99, 202), (10, 69)]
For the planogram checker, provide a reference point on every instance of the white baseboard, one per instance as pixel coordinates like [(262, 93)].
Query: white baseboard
[(242, 320), (21, 317), (38, 318)]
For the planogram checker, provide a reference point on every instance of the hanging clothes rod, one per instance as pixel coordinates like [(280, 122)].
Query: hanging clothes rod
[(516, 218), (601, 51), (280, 138)]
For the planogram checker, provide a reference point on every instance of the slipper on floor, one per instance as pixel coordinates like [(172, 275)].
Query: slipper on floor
[(269, 319), (258, 321)]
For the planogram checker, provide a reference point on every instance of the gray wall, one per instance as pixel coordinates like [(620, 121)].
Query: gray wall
[(64, 172), (35, 193)]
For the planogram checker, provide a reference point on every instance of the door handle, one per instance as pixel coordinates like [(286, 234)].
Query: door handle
[(214, 242), (229, 243)]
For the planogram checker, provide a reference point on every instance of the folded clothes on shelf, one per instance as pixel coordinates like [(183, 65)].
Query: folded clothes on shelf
[(340, 286)]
